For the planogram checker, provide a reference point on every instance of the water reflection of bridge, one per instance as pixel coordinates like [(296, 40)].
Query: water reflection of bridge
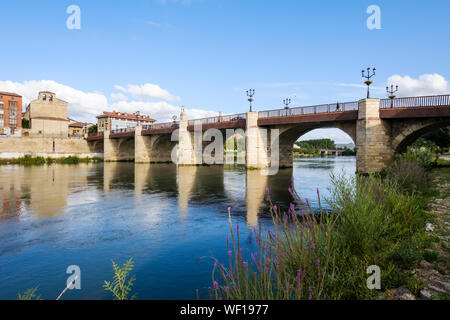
[(199, 185), (48, 190)]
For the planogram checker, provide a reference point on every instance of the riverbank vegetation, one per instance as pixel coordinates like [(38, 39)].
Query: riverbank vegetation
[(376, 220), (37, 160), (312, 148)]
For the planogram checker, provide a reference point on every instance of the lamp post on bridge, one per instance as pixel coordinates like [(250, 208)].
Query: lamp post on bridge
[(368, 82), (391, 92), (250, 94), (286, 103)]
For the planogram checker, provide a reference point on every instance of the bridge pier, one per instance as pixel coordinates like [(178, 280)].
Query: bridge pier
[(256, 143), (110, 147), (373, 138), (142, 146)]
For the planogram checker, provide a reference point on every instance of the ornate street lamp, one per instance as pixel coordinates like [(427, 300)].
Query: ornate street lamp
[(286, 103), (250, 94), (391, 94), (368, 81)]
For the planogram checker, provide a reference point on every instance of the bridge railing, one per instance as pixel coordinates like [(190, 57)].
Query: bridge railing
[(122, 130), (323, 108), (217, 119), (412, 102), (161, 125), (95, 134)]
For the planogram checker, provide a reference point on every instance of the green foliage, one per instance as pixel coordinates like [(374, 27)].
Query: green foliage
[(422, 156), (31, 160), (30, 294), (431, 256), (374, 221), (439, 137), (120, 287), (25, 124), (92, 129), (314, 146), (25, 161), (414, 285)]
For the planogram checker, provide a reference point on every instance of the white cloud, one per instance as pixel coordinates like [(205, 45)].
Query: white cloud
[(161, 111), (118, 96), (83, 106), (147, 91), (426, 84)]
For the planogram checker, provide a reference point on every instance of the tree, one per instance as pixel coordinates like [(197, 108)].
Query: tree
[(92, 129)]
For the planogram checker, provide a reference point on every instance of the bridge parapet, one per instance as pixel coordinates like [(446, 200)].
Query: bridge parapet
[(324, 108), (218, 119), (415, 102)]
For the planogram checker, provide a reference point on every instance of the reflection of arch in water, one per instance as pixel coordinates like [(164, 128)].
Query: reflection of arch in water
[(278, 187), (118, 175), (208, 187)]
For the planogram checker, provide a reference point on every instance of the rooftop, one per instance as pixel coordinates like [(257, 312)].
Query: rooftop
[(124, 115), (3, 93)]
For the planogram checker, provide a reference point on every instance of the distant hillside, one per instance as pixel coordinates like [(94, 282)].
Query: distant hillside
[(345, 146)]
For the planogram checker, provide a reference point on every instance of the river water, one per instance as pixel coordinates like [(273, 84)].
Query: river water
[(170, 220)]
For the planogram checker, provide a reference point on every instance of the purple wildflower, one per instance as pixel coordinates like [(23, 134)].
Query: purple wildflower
[(275, 208), (292, 208), (216, 285), (310, 292), (318, 262), (297, 278), (313, 245)]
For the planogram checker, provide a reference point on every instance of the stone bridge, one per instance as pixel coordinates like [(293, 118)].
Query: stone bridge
[(379, 128)]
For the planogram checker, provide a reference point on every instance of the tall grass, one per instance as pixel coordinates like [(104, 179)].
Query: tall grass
[(28, 160), (325, 255)]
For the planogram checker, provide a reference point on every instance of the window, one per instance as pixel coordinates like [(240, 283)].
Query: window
[(13, 114), (2, 124), (44, 96)]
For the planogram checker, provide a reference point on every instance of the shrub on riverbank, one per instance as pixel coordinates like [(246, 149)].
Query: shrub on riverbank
[(28, 160), (373, 222)]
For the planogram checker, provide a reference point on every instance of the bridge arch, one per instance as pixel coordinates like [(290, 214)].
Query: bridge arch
[(405, 133), (161, 148), (290, 134), (126, 149)]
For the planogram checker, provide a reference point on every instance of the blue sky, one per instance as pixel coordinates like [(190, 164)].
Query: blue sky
[(204, 54)]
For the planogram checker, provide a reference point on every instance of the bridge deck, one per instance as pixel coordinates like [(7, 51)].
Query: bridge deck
[(410, 107)]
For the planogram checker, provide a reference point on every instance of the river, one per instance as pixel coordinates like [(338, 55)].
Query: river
[(170, 220)]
